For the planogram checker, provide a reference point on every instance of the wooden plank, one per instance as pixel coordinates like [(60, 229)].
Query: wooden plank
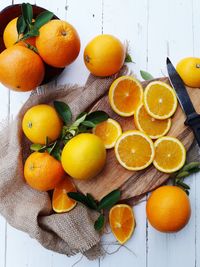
[(167, 33), (128, 21)]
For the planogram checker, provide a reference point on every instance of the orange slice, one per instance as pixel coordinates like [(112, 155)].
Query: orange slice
[(122, 222), (152, 127), (170, 154), (108, 131), (61, 202), (134, 150), (125, 95), (160, 100)]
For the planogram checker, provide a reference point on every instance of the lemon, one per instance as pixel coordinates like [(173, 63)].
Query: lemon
[(84, 156)]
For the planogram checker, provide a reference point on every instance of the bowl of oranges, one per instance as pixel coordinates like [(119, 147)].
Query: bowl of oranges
[(35, 46)]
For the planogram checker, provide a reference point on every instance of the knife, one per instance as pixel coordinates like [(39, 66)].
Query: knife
[(192, 117)]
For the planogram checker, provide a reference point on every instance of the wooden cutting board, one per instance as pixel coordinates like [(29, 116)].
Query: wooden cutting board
[(135, 183)]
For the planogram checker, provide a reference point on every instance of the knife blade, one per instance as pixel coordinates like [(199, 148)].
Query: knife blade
[(192, 117), (181, 91)]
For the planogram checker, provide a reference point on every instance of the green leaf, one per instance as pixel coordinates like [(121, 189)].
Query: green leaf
[(128, 59), (190, 166), (64, 111), (92, 201), (32, 33), (43, 18), (185, 186), (81, 115), (99, 223), (36, 147), (89, 124), (27, 12), (109, 200), (97, 116), (146, 75), (79, 121), (182, 174), (21, 25), (80, 198)]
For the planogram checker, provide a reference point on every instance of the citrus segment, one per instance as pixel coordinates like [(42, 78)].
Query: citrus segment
[(134, 150), (168, 209), (61, 202), (152, 127), (160, 100), (125, 95), (170, 154), (122, 222), (108, 131)]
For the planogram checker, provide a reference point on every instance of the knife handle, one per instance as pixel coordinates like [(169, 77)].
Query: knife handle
[(193, 121)]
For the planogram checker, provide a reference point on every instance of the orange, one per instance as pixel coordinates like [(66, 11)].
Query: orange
[(40, 122), (122, 222), (104, 55), (61, 202), (170, 154), (189, 70), (21, 69), (125, 95), (168, 209), (108, 131), (10, 35), (84, 156), (134, 150), (58, 43), (152, 127), (43, 172), (160, 100)]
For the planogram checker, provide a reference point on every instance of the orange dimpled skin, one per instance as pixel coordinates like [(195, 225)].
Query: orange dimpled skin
[(168, 209), (43, 172), (21, 69), (58, 43)]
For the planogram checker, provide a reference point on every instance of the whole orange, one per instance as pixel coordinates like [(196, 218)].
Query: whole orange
[(42, 171), (104, 55), (168, 209), (189, 70), (21, 69), (58, 43), (10, 35), (40, 122)]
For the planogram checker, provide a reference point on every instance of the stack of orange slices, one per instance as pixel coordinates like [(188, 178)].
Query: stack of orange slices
[(152, 108)]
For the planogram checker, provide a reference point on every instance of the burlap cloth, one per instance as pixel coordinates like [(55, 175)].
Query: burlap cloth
[(29, 210)]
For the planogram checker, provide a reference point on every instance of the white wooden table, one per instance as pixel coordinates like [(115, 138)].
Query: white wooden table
[(155, 29)]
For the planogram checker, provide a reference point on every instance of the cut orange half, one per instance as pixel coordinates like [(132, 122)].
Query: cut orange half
[(108, 131), (160, 100), (125, 95), (134, 150), (152, 127), (61, 202), (170, 154), (122, 222)]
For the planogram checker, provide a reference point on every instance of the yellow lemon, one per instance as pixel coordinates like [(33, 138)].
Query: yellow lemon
[(84, 156), (41, 122), (189, 70)]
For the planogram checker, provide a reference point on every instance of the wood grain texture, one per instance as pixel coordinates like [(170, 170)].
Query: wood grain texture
[(133, 184)]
